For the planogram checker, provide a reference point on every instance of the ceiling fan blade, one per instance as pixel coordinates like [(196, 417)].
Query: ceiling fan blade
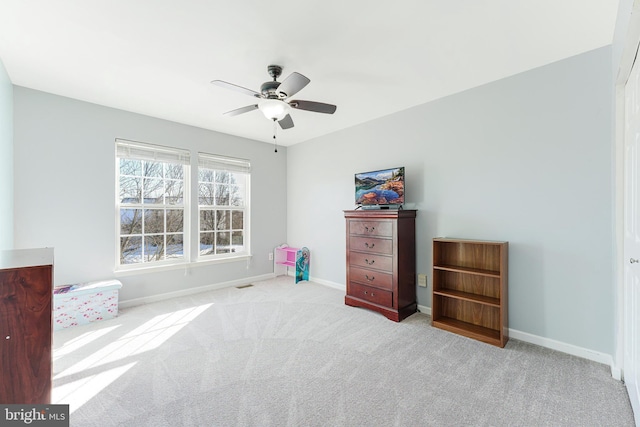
[(317, 107), (293, 84), (241, 110), (286, 122), (237, 88)]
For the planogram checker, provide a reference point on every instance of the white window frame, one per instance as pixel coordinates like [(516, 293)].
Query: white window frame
[(136, 150), (236, 166)]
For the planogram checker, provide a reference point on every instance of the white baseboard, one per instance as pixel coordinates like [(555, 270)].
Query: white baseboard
[(595, 356), (616, 372), (607, 359), (191, 291), (424, 309), (571, 349), (563, 347), (334, 285)]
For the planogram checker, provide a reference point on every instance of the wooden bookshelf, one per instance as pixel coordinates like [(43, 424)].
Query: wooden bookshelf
[(470, 289)]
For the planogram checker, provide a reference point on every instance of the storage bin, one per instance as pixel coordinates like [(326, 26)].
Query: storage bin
[(84, 303)]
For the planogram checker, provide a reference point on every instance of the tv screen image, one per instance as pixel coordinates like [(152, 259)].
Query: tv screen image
[(379, 188)]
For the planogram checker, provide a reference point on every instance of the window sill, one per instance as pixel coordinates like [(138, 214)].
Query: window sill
[(177, 266)]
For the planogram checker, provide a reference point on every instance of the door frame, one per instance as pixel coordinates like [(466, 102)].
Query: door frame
[(630, 54)]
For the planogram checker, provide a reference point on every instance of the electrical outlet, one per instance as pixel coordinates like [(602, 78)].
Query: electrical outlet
[(270, 256), (422, 280)]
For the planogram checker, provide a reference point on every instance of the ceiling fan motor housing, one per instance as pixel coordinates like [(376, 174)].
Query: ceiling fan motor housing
[(269, 89)]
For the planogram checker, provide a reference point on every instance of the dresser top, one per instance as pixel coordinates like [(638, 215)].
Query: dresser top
[(20, 258), (380, 213)]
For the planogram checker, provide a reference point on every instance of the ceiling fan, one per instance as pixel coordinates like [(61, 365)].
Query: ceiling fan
[(274, 97)]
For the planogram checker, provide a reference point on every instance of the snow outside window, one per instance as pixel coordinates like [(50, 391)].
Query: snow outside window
[(151, 204), (223, 206)]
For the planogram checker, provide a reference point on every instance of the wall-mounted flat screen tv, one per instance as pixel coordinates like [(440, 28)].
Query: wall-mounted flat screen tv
[(380, 188)]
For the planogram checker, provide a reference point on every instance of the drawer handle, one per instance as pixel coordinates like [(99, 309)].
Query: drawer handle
[(370, 246), (370, 230), (369, 263), (369, 278), (366, 293)]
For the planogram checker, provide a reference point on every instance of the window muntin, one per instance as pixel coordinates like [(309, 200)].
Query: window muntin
[(151, 204)]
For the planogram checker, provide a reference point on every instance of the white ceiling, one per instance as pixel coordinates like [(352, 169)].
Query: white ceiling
[(370, 58)]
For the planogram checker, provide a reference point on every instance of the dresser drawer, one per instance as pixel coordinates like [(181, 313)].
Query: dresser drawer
[(374, 295), (371, 277), (369, 244), (371, 228), (378, 262)]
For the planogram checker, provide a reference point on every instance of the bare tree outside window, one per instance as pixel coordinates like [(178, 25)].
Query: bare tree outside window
[(221, 200), (151, 210), (154, 198)]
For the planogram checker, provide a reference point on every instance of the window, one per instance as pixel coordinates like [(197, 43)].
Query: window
[(223, 199), (152, 207), (155, 199)]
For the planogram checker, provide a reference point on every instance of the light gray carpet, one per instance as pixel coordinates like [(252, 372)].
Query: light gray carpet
[(285, 354)]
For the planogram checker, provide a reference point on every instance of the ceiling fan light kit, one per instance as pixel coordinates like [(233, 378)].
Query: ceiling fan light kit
[(273, 98), (274, 109)]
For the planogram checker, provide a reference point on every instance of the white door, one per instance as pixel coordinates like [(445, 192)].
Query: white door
[(632, 239)]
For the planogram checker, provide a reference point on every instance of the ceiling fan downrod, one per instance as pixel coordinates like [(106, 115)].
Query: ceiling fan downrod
[(274, 71)]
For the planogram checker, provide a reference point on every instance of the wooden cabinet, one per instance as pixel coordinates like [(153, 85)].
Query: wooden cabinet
[(381, 261), (26, 289), (470, 289)]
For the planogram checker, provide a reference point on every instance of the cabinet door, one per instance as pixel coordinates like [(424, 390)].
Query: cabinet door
[(25, 330)]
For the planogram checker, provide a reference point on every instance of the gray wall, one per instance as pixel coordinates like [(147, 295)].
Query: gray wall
[(65, 190), (6, 160), (526, 159)]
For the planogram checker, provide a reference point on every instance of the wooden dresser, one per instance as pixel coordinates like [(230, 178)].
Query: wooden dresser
[(381, 261), (26, 290)]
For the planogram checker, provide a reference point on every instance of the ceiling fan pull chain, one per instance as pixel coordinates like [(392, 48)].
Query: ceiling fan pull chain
[(275, 141)]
